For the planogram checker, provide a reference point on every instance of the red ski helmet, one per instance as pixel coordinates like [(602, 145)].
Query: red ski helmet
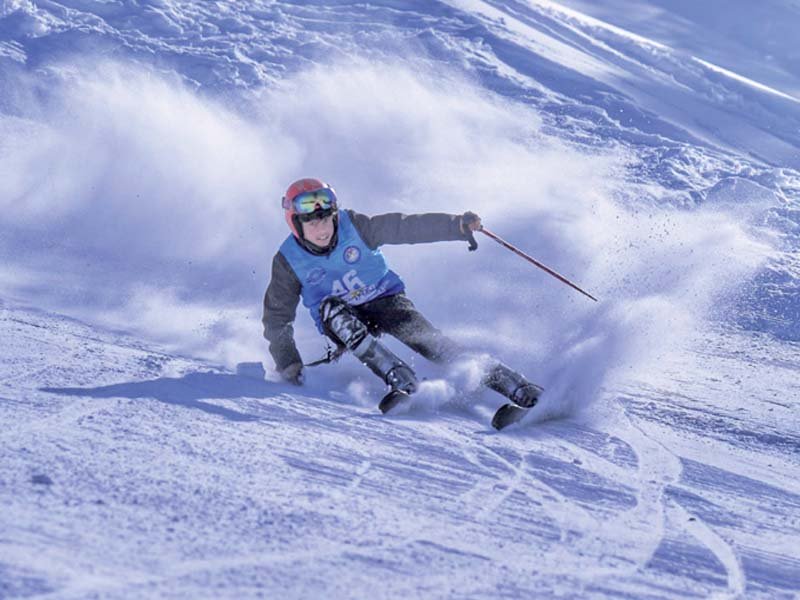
[(307, 199)]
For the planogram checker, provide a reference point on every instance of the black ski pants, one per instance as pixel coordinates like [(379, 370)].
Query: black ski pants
[(397, 316)]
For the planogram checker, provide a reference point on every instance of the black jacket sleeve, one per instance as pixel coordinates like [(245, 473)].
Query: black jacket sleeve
[(280, 309), (397, 228)]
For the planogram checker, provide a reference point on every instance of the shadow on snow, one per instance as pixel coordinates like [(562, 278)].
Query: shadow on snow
[(188, 391)]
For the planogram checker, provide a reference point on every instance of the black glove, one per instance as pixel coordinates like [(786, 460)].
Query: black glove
[(293, 374), (470, 222)]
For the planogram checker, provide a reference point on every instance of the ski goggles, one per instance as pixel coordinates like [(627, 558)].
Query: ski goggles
[(308, 203)]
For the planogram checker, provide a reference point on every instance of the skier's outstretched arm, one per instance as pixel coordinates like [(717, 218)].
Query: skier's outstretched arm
[(398, 228), (280, 309)]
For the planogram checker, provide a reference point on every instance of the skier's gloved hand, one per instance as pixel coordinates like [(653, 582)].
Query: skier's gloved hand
[(293, 373), (470, 222)]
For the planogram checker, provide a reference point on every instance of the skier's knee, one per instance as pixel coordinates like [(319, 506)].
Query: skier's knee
[(341, 323)]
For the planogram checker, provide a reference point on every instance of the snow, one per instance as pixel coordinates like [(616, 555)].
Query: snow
[(635, 146)]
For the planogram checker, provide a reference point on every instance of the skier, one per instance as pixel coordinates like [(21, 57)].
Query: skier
[(331, 260)]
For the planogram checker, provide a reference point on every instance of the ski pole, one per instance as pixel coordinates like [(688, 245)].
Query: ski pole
[(530, 259)]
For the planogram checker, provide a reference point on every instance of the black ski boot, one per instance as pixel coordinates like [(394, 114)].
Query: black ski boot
[(345, 326), (512, 385), (386, 365)]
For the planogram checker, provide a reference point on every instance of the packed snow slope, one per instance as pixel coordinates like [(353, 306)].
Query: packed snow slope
[(646, 149)]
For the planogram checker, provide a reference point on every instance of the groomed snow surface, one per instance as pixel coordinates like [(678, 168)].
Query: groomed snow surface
[(144, 147), (131, 473)]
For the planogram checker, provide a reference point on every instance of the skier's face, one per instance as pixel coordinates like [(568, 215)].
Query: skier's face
[(319, 231)]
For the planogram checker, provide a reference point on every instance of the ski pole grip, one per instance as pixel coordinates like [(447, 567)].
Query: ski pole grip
[(473, 244), (468, 219)]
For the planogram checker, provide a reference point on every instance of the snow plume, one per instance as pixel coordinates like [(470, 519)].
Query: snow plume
[(128, 164), (132, 199), (662, 275)]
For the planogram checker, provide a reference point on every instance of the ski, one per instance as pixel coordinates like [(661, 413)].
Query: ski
[(508, 414), (392, 399)]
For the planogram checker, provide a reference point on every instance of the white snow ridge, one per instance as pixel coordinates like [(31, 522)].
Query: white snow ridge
[(646, 149)]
